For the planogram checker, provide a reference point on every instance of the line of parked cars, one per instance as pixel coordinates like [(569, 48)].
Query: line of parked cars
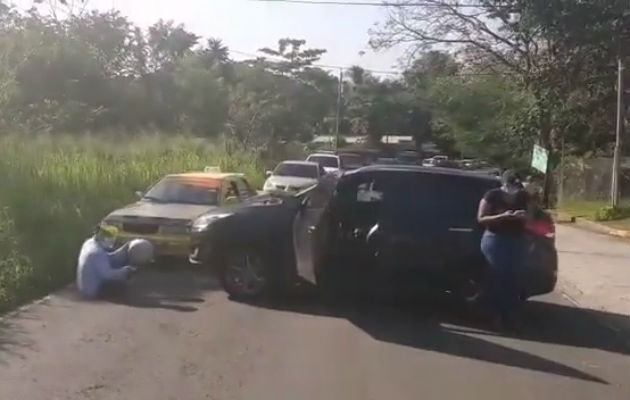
[(351, 226)]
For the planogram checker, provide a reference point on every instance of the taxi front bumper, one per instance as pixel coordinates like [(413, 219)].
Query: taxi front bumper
[(164, 245)]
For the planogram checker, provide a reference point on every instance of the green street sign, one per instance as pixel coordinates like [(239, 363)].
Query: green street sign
[(539, 158)]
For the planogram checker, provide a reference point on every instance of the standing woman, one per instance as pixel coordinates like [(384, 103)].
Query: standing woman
[(503, 213)]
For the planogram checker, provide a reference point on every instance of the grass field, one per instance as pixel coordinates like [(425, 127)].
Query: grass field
[(54, 190), (586, 209), (589, 209)]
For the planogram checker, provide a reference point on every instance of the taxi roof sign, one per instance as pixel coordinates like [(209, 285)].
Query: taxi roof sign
[(210, 169)]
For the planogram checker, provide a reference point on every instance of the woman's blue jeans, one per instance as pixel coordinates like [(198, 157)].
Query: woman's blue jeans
[(505, 255)]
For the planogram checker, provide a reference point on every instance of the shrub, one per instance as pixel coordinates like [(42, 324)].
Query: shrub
[(612, 213)]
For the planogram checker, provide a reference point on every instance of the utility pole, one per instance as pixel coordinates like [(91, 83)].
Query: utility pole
[(339, 90), (614, 188)]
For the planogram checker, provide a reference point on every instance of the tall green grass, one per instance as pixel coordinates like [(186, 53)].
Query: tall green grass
[(54, 190)]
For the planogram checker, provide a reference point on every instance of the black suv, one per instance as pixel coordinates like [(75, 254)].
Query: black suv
[(396, 227), (381, 227)]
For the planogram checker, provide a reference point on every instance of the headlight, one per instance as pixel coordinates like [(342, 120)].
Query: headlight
[(113, 222), (202, 223), (268, 186)]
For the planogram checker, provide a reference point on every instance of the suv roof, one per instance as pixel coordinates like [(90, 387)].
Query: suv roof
[(397, 168)]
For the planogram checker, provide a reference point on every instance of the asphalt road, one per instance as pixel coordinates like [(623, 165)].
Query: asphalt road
[(179, 337)]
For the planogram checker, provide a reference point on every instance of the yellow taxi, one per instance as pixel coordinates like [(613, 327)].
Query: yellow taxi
[(164, 214)]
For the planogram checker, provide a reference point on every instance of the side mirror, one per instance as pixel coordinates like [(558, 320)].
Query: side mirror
[(139, 194), (305, 203), (268, 173)]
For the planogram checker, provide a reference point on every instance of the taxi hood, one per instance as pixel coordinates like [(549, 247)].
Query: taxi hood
[(146, 209)]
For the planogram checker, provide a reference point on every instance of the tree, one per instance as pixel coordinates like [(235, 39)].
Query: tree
[(478, 115), (292, 58), (167, 43), (216, 52), (553, 50)]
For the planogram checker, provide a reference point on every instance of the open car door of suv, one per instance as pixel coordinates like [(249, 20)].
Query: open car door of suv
[(310, 231)]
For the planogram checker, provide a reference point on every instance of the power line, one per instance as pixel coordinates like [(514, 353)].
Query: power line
[(372, 4)]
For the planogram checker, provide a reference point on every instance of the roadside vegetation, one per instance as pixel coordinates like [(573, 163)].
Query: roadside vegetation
[(54, 190), (599, 211)]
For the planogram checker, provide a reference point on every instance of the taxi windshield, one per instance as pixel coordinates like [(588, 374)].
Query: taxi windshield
[(184, 191)]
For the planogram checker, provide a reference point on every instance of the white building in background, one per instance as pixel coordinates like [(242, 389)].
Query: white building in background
[(330, 139)]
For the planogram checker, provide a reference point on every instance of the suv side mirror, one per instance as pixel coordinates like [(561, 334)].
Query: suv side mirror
[(305, 203)]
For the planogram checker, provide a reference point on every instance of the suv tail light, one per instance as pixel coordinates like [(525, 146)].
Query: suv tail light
[(542, 227)]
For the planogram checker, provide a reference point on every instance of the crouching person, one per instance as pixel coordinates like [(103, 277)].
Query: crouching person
[(101, 271)]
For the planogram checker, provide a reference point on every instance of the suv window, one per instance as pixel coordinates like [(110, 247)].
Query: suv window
[(359, 202), (433, 202), (411, 204), (369, 192), (460, 196)]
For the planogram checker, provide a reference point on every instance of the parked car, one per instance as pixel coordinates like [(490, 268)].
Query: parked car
[(294, 176), (164, 214), (434, 161), (383, 226), (329, 161)]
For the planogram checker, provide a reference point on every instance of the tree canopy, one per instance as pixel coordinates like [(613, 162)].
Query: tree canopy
[(484, 79)]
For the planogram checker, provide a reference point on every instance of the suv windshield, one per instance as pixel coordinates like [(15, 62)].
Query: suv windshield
[(173, 190), (294, 169), (325, 161)]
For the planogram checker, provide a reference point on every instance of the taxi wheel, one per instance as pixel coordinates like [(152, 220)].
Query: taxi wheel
[(245, 275)]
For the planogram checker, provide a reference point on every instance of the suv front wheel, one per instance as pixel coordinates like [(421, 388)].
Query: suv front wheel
[(245, 274)]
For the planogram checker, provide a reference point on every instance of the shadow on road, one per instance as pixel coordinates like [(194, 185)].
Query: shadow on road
[(442, 326), (12, 340), (175, 288)]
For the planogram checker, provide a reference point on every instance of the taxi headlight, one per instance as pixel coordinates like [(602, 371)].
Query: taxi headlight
[(202, 223), (113, 222)]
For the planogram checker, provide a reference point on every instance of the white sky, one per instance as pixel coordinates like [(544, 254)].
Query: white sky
[(247, 25)]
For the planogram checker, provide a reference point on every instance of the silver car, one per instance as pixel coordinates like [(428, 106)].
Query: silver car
[(294, 176)]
